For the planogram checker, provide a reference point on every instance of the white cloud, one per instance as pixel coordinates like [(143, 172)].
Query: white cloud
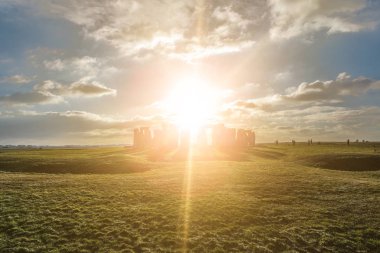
[(80, 88), (317, 93), (310, 110), (86, 65), (16, 79), (195, 51), (268, 103), (231, 22), (56, 64), (337, 89), (291, 18), (151, 27), (50, 92)]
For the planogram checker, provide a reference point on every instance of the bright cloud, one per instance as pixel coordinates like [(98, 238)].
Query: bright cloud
[(338, 89), (317, 92), (294, 18), (139, 28), (317, 109), (50, 92)]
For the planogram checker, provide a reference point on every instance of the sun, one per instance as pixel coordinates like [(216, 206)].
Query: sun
[(192, 103)]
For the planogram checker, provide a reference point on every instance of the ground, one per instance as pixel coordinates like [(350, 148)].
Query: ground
[(270, 198)]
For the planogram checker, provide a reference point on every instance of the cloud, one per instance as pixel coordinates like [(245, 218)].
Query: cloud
[(88, 89), (250, 90), (50, 92), (314, 93), (227, 15), (29, 98), (291, 18), (80, 89), (69, 127), (337, 89), (73, 68), (16, 79), (80, 127), (195, 51), (139, 29), (190, 30), (323, 110), (56, 64), (86, 65), (268, 103), (322, 123)]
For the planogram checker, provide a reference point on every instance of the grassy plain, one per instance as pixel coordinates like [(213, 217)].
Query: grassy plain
[(271, 198)]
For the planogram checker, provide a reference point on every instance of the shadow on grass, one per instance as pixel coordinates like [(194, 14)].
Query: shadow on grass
[(112, 161), (83, 161), (268, 154), (74, 167), (237, 154), (344, 162)]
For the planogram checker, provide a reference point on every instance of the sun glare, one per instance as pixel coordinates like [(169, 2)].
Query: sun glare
[(192, 103)]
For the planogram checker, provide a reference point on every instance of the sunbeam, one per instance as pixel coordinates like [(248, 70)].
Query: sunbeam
[(187, 198)]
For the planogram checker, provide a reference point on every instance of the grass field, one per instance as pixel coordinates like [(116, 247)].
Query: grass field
[(271, 198)]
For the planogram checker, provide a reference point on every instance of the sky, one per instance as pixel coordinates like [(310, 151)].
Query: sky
[(89, 71)]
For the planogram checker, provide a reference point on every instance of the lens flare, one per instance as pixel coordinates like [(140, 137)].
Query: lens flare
[(192, 103)]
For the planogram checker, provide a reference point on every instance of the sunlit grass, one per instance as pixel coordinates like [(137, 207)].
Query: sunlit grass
[(265, 202)]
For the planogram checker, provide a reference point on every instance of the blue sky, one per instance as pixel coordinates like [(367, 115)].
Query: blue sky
[(87, 72)]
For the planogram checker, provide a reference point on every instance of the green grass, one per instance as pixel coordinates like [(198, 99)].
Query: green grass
[(264, 200), (78, 161)]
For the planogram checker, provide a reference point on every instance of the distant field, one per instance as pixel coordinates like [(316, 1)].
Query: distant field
[(271, 198)]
